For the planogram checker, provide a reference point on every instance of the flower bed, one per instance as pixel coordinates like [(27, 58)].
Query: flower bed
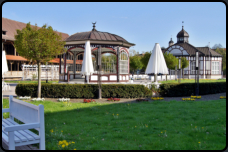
[(38, 99), (25, 97), (222, 97), (157, 98), (196, 97), (113, 99), (188, 99), (141, 100), (64, 99), (88, 100)]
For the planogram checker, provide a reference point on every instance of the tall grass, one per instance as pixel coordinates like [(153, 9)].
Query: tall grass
[(174, 125)]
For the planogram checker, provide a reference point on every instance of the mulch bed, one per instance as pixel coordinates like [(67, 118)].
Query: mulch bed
[(125, 100)]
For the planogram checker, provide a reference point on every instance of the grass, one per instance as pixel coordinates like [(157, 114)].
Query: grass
[(28, 81), (193, 81), (174, 125)]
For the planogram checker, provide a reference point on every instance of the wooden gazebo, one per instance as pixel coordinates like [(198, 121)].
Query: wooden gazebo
[(108, 43)]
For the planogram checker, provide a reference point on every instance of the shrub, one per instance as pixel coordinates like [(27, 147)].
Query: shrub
[(83, 90), (188, 89)]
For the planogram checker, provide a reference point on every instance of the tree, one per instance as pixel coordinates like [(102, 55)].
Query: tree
[(217, 46), (184, 64), (135, 63), (39, 45), (132, 52), (163, 47), (171, 61), (145, 59), (223, 53)]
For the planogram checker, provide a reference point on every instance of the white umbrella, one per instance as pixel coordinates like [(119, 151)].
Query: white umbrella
[(4, 63), (157, 62), (87, 65), (4, 67)]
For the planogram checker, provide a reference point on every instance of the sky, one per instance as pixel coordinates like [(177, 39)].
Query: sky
[(141, 23)]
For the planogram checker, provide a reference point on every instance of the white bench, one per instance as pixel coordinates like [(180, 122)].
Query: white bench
[(14, 134)]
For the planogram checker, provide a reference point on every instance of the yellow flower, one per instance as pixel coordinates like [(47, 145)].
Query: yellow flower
[(195, 126), (61, 131), (161, 132), (202, 127), (117, 114), (113, 114), (75, 149), (60, 142), (52, 130), (165, 130), (199, 142), (63, 146), (67, 144), (72, 142), (135, 126)]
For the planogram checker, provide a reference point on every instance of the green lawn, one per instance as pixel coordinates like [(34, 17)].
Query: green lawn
[(174, 125), (193, 81), (26, 81)]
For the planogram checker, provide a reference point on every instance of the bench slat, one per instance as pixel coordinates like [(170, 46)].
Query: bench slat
[(21, 132), (28, 132), (6, 137), (16, 133)]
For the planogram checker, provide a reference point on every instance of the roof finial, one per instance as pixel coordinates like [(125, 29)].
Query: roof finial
[(94, 26), (182, 24)]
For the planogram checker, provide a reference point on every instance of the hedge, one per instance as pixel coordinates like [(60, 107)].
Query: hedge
[(83, 90), (187, 89)]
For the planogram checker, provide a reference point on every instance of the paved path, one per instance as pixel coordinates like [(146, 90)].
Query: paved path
[(28, 147)]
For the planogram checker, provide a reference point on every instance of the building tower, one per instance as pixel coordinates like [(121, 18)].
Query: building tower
[(182, 36), (171, 42)]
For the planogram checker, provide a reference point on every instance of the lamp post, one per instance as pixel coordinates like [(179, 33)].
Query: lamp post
[(179, 80), (197, 74)]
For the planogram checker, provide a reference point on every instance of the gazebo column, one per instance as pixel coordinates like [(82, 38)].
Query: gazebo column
[(74, 64), (64, 57), (118, 64)]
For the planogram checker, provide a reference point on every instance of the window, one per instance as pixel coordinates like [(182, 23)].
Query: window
[(215, 68), (181, 39), (123, 63), (193, 67)]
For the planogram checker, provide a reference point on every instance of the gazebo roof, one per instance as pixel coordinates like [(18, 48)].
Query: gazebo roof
[(97, 37)]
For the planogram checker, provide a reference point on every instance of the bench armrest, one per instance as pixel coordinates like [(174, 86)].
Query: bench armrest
[(5, 110), (22, 127)]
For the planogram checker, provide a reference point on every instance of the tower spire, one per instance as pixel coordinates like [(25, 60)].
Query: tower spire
[(182, 24), (94, 29)]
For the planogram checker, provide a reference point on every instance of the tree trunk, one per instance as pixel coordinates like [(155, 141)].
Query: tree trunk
[(166, 77), (39, 80), (183, 74)]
